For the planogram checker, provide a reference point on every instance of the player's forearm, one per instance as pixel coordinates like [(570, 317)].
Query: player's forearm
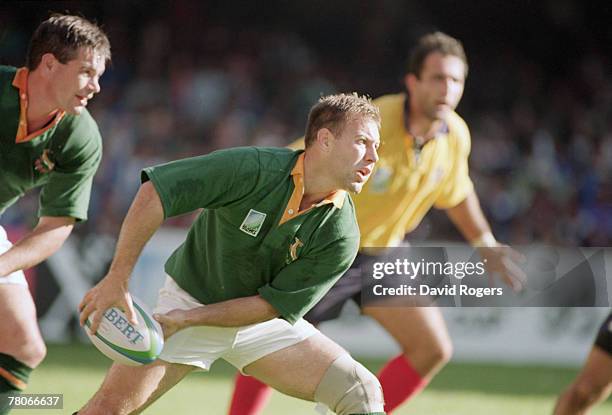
[(469, 218), (42, 242), (144, 217), (231, 313)]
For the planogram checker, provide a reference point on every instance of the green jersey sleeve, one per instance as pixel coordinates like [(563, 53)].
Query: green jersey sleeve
[(78, 152), (302, 283), (208, 181)]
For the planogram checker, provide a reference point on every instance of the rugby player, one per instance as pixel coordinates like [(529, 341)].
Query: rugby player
[(277, 231), (594, 382), (423, 164), (48, 139)]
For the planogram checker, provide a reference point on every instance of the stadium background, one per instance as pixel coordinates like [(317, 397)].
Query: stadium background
[(189, 77)]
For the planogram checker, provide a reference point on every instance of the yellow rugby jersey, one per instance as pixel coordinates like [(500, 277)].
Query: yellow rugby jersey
[(402, 189)]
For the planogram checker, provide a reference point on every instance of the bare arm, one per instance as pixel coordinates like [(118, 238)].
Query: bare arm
[(231, 313), (471, 222), (42, 242), (145, 215), (469, 219)]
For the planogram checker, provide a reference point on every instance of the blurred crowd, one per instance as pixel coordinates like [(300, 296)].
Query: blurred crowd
[(188, 78)]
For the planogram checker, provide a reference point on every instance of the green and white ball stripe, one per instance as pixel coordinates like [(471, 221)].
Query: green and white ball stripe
[(126, 343)]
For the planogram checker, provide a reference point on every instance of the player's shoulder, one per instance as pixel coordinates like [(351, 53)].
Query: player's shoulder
[(76, 141), (458, 131), (275, 159), (266, 163), (391, 109), (456, 124), (348, 211), (79, 130), (344, 224), (390, 103)]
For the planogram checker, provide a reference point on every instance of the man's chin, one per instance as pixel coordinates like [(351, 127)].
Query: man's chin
[(75, 110), (440, 115), (355, 187)]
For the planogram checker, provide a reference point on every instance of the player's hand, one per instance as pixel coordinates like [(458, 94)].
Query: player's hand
[(503, 260), (106, 294), (172, 321)]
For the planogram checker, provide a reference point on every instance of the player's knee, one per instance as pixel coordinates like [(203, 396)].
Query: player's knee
[(33, 353), (432, 354), (38, 353), (442, 351), (349, 388), (583, 393), (27, 346)]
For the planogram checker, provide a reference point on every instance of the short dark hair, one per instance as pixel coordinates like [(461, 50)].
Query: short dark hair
[(431, 43), (63, 35), (333, 111)]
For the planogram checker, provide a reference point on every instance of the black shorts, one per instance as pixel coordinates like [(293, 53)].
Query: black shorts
[(604, 337), (349, 286)]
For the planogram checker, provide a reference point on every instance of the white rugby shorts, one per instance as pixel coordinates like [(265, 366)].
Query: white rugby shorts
[(240, 346), (16, 277)]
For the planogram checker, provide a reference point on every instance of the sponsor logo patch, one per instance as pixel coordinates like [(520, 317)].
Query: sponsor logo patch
[(252, 223)]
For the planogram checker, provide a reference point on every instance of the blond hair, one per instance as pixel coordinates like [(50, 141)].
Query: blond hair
[(333, 111)]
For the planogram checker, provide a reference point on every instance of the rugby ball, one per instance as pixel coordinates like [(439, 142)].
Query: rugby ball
[(124, 342)]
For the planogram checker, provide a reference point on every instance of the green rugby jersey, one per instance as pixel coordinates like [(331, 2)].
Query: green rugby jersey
[(70, 151), (239, 246)]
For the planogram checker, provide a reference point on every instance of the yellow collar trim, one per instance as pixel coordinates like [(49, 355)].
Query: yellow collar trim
[(20, 81), (293, 206)]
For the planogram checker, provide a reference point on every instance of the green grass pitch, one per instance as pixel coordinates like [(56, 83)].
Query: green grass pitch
[(460, 389)]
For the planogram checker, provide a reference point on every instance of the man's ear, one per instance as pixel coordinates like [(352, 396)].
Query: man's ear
[(48, 63), (410, 81), (325, 139)]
